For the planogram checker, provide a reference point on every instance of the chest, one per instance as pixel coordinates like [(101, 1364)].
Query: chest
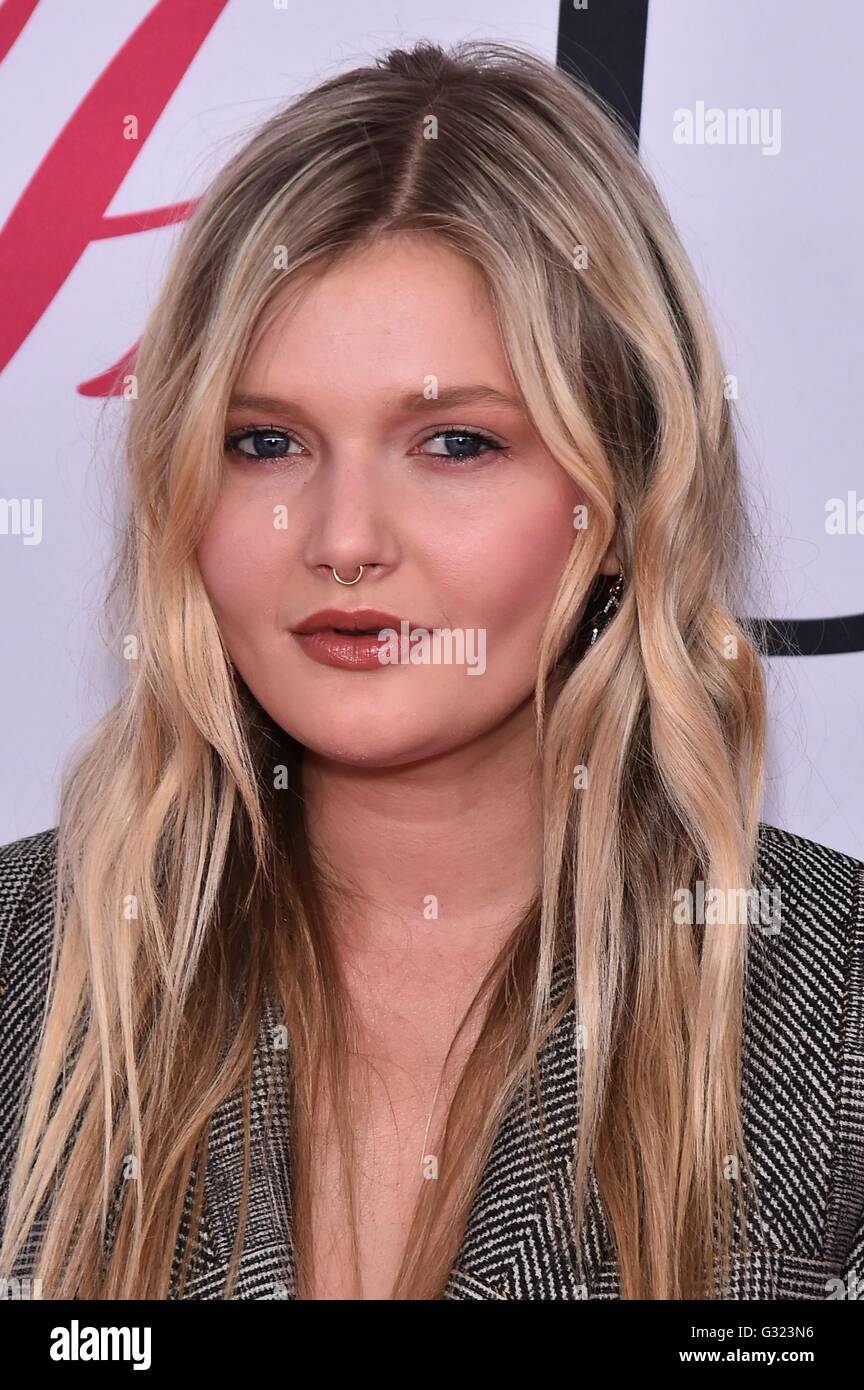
[(397, 1118), (386, 1179)]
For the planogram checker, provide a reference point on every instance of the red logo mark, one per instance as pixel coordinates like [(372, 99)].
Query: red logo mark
[(62, 209)]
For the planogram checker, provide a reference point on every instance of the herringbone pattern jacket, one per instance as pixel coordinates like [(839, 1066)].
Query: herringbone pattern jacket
[(802, 1096)]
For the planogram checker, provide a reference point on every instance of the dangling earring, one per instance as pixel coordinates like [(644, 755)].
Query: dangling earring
[(604, 615)]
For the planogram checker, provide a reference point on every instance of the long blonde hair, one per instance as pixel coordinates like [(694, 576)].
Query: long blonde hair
[(171, 803)]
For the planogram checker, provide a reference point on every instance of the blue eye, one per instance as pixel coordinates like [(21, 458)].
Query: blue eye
[(269, 443), (468, 440), (272, 442)]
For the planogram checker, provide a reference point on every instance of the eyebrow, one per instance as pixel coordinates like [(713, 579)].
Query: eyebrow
[(411, 403)]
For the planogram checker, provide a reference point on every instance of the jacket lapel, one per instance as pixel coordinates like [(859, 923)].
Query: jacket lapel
[(266, 1269), (515, 1243)]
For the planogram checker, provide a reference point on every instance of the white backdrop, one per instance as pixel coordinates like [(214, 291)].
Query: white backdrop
[(774, 236)]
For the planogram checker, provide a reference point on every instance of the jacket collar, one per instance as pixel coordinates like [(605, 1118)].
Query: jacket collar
[(515, 1243)]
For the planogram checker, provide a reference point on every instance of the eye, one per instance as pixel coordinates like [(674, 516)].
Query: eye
[(267, 442), (468, 445), (263, 442)]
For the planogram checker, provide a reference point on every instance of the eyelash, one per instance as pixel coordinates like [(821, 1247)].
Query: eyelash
[(235, 436)]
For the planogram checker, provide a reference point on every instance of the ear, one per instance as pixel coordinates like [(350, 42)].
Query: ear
[(610, 563)]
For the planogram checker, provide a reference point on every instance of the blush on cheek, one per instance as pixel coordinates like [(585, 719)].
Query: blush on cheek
[(517, 577), (240, 557), (217, 554)]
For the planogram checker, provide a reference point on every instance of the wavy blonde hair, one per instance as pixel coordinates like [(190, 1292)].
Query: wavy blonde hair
[(171, 802)]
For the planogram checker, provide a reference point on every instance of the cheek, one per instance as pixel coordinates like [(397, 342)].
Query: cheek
[(536, 552), (239, 557), (507, 571)]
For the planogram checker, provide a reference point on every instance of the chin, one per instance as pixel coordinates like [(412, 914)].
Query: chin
[(375, 749), (360, 732)]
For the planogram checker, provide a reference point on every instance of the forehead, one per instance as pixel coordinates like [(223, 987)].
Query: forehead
[(389, 316)]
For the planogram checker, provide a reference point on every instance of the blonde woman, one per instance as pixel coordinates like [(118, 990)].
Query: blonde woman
[(409, 930)]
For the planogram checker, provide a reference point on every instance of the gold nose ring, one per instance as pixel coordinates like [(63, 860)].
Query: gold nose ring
[(340, 580)]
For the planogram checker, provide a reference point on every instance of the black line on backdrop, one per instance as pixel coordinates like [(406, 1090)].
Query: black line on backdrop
[(604, 44)]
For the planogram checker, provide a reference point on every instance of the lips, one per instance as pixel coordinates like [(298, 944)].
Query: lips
[(359, 621), (348, 640)]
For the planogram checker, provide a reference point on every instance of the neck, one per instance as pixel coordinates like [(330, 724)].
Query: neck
[(458, 835)]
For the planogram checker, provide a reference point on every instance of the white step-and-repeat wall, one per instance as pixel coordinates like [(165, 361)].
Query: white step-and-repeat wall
[(770, 216)]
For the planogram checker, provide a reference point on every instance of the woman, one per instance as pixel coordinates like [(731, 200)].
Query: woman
[(413, 964)]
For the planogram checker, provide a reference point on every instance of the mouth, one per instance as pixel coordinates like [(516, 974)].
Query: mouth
[(350, 641), (367, 622), (351, 631)]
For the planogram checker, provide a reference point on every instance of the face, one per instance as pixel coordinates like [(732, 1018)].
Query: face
[(462, 521)]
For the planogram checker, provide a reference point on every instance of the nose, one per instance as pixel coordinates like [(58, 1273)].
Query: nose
[(349, 534)]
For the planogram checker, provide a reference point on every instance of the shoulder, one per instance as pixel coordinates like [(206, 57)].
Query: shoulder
[(810, 925), (27, 870), (20, 862), (803, 1061), (808, 943), (27, 879), (27, 882), (813, 874), (20, 859)]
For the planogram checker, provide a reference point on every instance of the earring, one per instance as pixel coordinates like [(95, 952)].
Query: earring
[(604, 615)]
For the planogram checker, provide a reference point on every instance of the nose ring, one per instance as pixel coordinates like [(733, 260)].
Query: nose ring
[(340, 580)]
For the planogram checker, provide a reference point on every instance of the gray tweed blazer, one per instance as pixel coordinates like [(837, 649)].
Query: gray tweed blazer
[(802, 1096)]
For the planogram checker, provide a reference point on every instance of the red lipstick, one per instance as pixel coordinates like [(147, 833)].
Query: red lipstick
[(350, 640)]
